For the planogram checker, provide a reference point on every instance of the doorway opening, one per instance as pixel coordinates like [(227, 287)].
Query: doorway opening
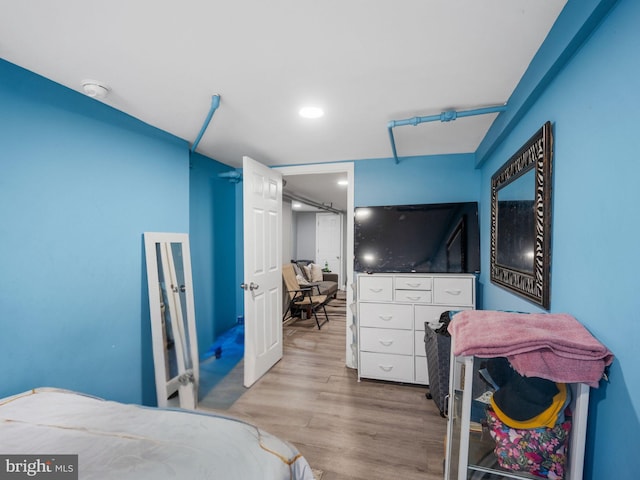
[(319, 174), (320, 181)]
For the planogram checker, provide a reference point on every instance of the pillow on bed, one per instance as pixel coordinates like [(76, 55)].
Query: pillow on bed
[(316, 273)]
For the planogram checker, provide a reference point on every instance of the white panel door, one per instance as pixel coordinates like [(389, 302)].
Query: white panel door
[(262, 197), (329, 242)]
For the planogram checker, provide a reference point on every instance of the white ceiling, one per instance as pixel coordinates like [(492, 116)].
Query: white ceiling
[(366, 62), (322, 188)]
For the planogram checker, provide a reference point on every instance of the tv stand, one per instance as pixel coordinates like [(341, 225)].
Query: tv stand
[(391, 311)]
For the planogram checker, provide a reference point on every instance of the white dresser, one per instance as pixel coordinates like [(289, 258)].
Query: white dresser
[(391, 311)]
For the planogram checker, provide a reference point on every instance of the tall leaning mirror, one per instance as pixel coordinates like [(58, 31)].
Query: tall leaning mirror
[(173, 330), (521, 220)]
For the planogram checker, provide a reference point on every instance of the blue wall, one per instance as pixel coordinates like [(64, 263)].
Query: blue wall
[(212, 220), (432, 179), (79, 184), (592, 103), (239, 237)]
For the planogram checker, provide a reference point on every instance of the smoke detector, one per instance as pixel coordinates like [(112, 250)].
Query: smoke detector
[(95, 89)]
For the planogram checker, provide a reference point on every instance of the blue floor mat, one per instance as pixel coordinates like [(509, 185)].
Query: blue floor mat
[(221, 358)]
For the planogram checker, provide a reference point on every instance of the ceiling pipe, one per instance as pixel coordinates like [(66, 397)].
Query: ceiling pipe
[(446, 116), (233, 176), (215, 103), (313, 203)]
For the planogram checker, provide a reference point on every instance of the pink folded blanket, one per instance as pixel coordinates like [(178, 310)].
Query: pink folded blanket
[(547, 345)]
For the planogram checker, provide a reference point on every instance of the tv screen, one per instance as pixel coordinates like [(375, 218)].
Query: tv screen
[(427, 238)]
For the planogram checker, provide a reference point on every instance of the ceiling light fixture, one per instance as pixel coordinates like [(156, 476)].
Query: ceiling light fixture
[(311, 112), (95, 89), (343, 183)]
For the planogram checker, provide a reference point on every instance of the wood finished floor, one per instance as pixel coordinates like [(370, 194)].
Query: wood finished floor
[(350, 430)]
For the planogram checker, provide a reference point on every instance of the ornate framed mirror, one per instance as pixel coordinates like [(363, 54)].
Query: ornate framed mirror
[(521, 220)]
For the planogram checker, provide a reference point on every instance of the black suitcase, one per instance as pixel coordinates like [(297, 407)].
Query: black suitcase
[(438, 349)]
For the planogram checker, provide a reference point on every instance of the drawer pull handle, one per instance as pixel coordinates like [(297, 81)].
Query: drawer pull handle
[(386, 318), (415, 299), (386, 343), (414, 285), (454, 292), (386, 368), (375, 290)]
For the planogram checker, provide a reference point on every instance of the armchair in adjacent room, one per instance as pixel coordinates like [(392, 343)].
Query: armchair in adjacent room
[(327, 281), (303, 297)]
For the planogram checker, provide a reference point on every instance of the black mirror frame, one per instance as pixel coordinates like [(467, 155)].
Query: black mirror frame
[(536, 154)]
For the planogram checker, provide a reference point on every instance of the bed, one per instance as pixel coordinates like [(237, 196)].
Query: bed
[(116, 440)]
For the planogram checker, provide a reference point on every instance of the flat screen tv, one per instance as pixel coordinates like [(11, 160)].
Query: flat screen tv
[(427, 238)]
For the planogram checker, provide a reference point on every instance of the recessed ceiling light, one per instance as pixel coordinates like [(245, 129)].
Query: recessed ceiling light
[(343, 183), (311, 112), (296, 205)]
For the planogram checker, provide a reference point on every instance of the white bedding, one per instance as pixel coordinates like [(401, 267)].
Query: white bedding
[(115, 440)]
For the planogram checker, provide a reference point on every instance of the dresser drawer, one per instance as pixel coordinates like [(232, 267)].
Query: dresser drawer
[(386, 315), (413, 296), (453, 291), (431, 314), (414, 283), (386, 340), (375, 288), (385, 366)]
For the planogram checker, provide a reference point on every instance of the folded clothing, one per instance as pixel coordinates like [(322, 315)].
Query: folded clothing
[(523, 398), (445, 319), (551, 346), (523, 402), (499, 371), (548, 417)]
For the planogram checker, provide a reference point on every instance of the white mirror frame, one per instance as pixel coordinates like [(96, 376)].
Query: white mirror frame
[(187, 380)]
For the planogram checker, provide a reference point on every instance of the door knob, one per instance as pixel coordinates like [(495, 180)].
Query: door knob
[(252, 286)]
